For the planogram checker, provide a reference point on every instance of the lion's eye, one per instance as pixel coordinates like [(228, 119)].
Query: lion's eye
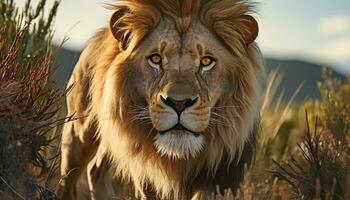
[(207, 63), (155, 60)]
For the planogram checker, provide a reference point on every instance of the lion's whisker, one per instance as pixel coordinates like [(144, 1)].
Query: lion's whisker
[(220, 116), (222, 107)]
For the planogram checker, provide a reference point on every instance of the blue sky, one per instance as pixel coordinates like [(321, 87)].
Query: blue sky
[(314, 30)]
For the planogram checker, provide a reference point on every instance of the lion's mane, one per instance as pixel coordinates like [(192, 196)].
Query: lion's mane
[(229, 146)]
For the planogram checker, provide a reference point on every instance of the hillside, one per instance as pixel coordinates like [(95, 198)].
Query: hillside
[(295, 72)]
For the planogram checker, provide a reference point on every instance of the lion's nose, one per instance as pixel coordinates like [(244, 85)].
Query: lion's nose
[(179, 105)]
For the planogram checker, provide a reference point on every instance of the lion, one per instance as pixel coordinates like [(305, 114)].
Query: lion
[(167, 97)]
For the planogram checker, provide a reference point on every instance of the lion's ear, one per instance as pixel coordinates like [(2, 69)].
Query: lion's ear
[(117, 27), (251, 28)]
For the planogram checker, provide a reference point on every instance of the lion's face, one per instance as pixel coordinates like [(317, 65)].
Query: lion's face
[(183, 77), (195, 73)]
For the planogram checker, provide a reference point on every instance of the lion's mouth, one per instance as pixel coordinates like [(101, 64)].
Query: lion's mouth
[(179, 129)]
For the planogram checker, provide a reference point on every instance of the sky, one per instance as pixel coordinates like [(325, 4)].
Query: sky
[(311, 30)]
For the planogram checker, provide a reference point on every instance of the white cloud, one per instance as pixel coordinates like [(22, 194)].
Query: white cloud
[(333, 25), (337, 51)]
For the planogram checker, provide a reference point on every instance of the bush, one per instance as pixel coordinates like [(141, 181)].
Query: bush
[(29, 101), (305, 163), (321, 166)]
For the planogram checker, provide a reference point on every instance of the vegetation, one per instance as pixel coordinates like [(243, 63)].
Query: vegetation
[(304, 148), (308, 157), (29, 101)]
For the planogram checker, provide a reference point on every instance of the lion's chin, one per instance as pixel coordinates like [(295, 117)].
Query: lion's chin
[(179, 144)]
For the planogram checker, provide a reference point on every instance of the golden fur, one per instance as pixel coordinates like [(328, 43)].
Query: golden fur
[(112, 82)]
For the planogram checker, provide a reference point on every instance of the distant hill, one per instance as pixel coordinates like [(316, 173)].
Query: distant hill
[(66, 60), (295, 72)]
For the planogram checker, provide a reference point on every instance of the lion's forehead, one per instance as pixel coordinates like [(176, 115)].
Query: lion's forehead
[(166, 32), (182, 43)]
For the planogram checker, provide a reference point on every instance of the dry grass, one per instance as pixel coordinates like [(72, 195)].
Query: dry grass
[(317, 164)]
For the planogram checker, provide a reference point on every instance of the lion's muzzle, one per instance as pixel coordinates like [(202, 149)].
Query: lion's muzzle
[(181, 115)]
